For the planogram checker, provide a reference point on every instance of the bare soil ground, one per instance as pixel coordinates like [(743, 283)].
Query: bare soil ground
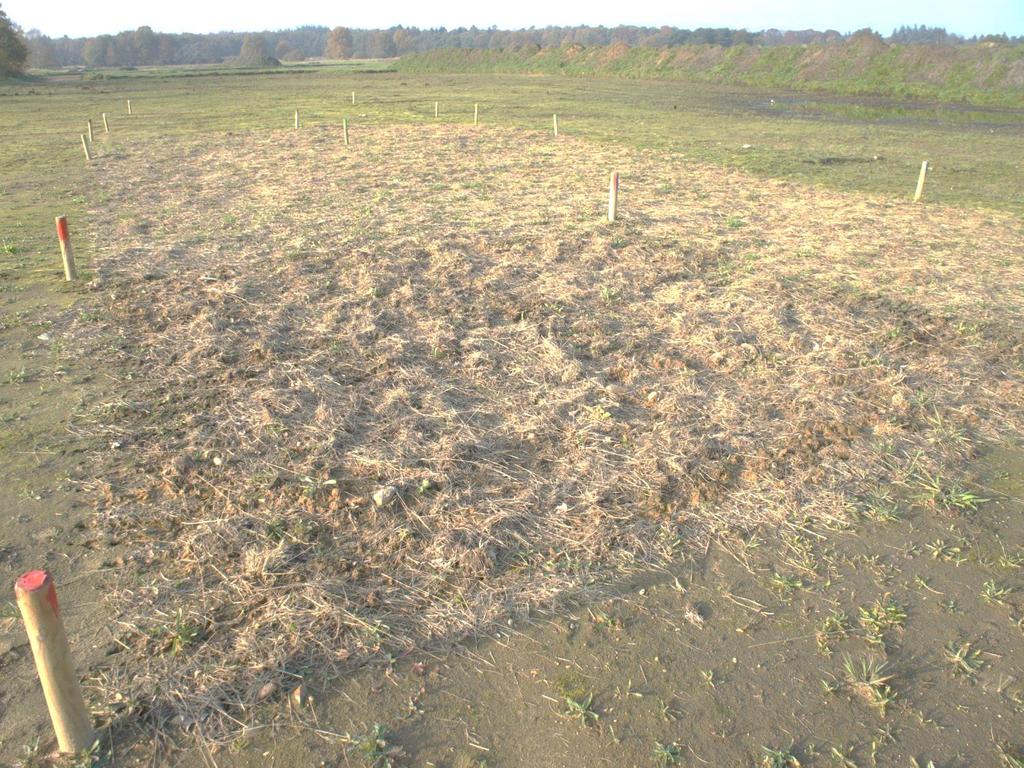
[(540, 402)]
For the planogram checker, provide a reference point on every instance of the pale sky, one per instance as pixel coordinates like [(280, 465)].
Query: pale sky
[(78, 19)]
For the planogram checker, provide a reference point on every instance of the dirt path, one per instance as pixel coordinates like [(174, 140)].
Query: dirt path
[(45, 519)]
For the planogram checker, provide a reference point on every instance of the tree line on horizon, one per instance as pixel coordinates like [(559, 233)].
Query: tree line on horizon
[(143, 46)]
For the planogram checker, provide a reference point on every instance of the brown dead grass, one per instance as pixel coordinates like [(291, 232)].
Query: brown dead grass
[(555, 399)]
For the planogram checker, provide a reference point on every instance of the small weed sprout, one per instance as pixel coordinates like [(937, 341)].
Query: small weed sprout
[(779, 758), (832, 628), (881, 507), (880, 617), (312, 486), (581, 709), (870, 679), (952, 497), (993, 594), (941, 550), (964, 659), (374, 749), (182, 634), (785, 584), (667, 754)]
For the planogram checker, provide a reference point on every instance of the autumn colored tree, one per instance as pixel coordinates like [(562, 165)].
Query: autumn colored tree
[(339, 44)]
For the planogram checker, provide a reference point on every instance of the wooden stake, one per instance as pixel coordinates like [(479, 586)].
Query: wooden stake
[(85, 146), (920, 181), (613, 196), (435, 109), (296, 118), (353, 97), (66, 254), (106, 127), (344, 129), (476, 114), (129, 106), (37, 600), (88, 127), (555, 119)]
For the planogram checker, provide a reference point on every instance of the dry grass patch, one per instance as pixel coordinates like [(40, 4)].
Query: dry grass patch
[(553, 399)]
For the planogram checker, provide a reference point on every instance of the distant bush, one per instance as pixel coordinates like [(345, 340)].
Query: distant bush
[(254, 53)]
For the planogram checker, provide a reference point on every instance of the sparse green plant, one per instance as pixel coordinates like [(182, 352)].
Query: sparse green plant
[(870, 679), (667, 754), (947, 497), (785, 584), (276, 529), (881, 507), (1010, 560), (609, 295), (832, 628), (312, 486), (881, 616), (964, 659), (603, 620), (668, 713), (182, 634), (87, 758), (375, 751), (31, 756), (580, 709), (16, 376), (779, 758), (993, 593), (709, 677), (942, 550), (1011, 756), (942, 432)]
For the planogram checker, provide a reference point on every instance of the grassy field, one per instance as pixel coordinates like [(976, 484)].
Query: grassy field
[(982, 73), (322, 411)]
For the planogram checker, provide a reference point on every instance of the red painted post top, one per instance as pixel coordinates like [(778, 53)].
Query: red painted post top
[(62, 227), (32, 580)]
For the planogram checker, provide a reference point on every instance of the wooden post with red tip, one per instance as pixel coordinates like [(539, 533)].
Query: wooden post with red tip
[(37, 600), (68, 256)]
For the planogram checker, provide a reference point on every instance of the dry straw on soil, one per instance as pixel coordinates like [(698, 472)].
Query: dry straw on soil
[(555, 399)]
